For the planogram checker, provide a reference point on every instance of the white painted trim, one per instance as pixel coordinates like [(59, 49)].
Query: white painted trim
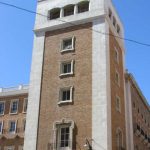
[(60, 95), (31, 131), (128, 118), (99, 87), (14, 100), (4, 107), (1, 132)]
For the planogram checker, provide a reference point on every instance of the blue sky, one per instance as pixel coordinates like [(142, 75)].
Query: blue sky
[(16, 40)]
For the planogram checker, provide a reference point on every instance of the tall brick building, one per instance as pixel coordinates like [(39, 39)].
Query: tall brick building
[(77, 86), (80, 96)]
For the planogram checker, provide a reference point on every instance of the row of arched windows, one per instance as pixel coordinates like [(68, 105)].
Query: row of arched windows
[(68, 10)]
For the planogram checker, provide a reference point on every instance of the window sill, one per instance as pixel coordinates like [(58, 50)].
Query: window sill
[(2, 114), (66, 74), (67, 50), (24, 112), (64, 102), (13, 113)]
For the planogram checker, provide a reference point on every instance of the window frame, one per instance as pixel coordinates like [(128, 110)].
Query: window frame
[(118, 107), (14, 100), (9, 125), (1, 131), (25, 102), (81, 4), (4, 107), (66, 8), (61, 90), (117, 80), (122, 142), (116, 55), (62, 65), (51, 13), (69, 49), (56, 139)]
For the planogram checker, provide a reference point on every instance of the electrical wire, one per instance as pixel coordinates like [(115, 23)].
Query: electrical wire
[(33, 12)]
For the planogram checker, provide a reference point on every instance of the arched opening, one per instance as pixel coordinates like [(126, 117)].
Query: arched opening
[(83, 6), (119, 139), (54, 13), (68, 10)]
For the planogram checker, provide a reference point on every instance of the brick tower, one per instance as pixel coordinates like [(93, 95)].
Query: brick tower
[(76, 94)]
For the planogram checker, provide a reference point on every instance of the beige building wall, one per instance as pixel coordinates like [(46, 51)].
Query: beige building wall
[(80, 109), (117, 91)]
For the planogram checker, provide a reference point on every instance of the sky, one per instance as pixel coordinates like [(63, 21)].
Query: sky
[(16, 41)]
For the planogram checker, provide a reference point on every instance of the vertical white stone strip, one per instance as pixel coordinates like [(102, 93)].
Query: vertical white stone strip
[(99, 86), (128, 117), (34, 93)]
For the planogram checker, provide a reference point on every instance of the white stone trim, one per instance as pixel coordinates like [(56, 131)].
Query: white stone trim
[(60, 95), (100, 95), (128, 118), (34, 94), (4, 107), (1, 131), (61, 122), (14, 100)]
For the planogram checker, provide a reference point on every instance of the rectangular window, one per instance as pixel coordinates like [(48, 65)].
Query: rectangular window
[(1, 127), (117, 78), (64, 136), (12, 127), (14, 106), (114, 21), (25, 105), (116, 55), (65, 95), (2, 108), (24, 124), (67, 44), (118, 104), (66, 68)]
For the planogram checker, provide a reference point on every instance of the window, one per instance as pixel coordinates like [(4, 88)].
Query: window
[(68, 10), (14, 106), (2, 108), (54, 13), (67, 44), (12, 126), (83, 6), (24, 124), (65, 95), (109, 13), (118, 104), (119, 139), (118, 29), (63, 135), (1, 127), (114, 21), (25, 105), (116, 55), (117, 78), (66, 68)]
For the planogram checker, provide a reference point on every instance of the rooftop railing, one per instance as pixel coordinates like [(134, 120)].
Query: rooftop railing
[(11, 89)]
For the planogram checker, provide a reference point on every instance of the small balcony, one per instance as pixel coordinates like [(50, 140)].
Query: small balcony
[(6, 133)]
